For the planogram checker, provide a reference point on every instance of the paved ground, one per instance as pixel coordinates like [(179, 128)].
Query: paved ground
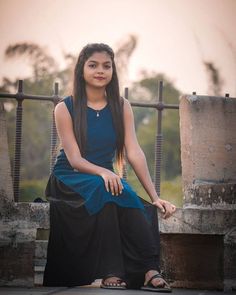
[(97, 290)]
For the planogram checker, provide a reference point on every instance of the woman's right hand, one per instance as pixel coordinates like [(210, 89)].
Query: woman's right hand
[(112, 182)]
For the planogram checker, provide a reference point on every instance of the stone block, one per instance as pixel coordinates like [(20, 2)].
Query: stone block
[(17, 264), (193, 261)]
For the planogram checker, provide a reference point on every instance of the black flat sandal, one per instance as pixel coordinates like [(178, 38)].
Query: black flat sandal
[(164, 288), (113, 286)]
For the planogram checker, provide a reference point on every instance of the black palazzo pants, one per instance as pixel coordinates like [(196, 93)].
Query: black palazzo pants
[(116, 241)]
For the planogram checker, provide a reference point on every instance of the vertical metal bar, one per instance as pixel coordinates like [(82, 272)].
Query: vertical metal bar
[(126, 92), (124, 168), (53, 130), (158, 144), (18, 140)]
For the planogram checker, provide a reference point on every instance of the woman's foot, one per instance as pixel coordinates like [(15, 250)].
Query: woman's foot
[(155, 282), (113, 283)]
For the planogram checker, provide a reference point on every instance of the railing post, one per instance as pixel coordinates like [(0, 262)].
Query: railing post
[(158, 143), (18, 139), (53, 129)]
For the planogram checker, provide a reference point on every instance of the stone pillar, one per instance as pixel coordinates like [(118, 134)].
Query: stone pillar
[(17, 239), (6, 187), (208, 156), (208, 151)]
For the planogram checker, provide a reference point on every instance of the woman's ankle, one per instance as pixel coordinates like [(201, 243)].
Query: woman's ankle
[(149, 274)]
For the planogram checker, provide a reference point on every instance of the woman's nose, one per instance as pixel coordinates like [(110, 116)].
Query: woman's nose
[(100, 69)]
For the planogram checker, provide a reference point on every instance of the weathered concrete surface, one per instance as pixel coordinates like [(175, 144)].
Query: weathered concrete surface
[(208, 150), (18, 231), (193, 265), (199, 221), (6, 188), (198, 248), (208, 157), (211, 195)]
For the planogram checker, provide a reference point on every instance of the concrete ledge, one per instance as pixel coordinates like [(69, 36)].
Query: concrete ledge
[(199, 221), (184, 238)]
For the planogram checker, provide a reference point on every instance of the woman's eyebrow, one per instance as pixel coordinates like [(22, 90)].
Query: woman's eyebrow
[(106, 62)]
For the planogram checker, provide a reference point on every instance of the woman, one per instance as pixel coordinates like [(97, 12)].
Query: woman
[(98, 225)]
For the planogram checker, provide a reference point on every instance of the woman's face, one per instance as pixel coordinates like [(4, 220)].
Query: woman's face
[(98, 70)]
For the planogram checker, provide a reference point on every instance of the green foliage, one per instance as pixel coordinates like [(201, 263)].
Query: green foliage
[(146, 125), (32, 189), (37, 115), (171, 190), (36, 129)]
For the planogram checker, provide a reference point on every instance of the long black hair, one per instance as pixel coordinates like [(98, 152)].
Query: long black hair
[(113, 99)]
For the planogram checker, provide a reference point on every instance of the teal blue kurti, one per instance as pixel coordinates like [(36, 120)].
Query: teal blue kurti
[(100, 150)]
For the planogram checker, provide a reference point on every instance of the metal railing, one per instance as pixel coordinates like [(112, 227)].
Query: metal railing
[(20, 96)]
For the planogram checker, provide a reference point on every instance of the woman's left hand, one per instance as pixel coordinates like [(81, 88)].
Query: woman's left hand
[(166, 207)]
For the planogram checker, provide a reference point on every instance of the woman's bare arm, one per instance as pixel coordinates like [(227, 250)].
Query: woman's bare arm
[(137, 160), (68, 142)]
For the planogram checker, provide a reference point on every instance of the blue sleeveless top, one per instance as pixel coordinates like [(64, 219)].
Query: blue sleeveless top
[(100, 150)]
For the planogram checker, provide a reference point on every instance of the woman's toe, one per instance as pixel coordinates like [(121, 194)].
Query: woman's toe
[(158, 283)]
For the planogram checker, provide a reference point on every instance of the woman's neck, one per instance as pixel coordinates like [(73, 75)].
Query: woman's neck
[(96, 95)]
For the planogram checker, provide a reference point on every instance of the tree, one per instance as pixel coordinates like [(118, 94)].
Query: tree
[(123, 53), (146, 123)]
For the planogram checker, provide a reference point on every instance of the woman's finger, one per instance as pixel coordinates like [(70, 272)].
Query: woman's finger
[(167, 214), (116, 187), (159, 205), (106, 184), (170, 209), (111, 186), (120, 186)]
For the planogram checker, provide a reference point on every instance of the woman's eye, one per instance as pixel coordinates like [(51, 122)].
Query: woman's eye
[(107, 66), (92, 66)]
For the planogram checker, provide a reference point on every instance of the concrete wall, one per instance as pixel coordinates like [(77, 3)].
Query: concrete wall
[(208, 151)]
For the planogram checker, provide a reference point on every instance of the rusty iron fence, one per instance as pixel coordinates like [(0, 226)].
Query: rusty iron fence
[(20, 96)]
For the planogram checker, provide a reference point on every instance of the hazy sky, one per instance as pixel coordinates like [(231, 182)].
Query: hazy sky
[(173, 35)]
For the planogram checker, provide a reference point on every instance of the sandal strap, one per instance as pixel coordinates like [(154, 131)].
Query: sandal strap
[(158, 276)]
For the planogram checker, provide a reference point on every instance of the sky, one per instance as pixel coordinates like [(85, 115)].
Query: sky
[(174, 36)]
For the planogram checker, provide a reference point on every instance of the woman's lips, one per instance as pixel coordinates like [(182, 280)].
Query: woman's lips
[(99, 78)]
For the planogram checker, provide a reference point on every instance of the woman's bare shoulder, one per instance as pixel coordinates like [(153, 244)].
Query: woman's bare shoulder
[(127, 107), (61, 107), (61, 113)]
